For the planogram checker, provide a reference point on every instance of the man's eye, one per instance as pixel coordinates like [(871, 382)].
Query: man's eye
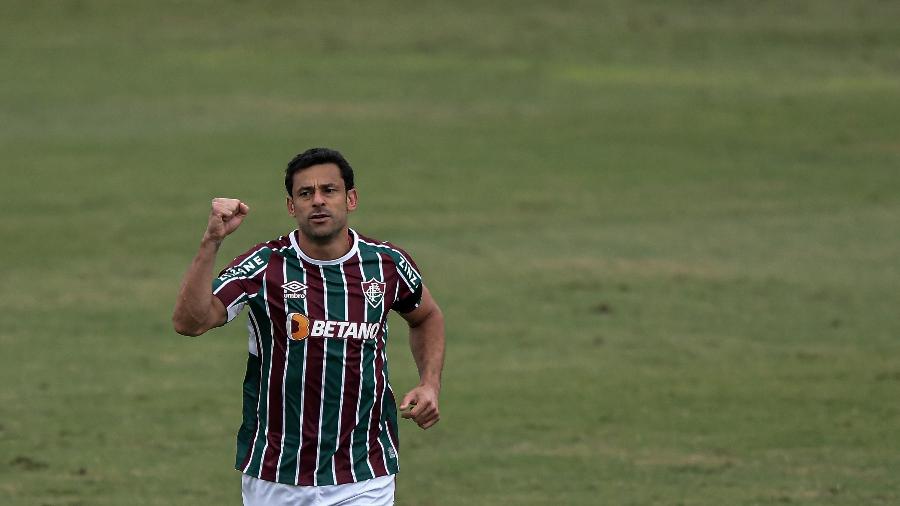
[(303, 194)]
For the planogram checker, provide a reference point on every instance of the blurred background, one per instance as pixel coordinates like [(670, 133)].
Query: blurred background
[(664, 236)]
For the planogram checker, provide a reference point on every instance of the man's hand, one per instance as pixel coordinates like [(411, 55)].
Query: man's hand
[(196, 309), (421, 404), (225, 216)]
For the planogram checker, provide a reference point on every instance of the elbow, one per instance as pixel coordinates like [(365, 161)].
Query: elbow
[(187, 332), (435, 317), (185, 328), (439, 315)]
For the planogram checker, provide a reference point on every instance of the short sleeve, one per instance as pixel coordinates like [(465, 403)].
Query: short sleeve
[(239, 280), (409, 285)]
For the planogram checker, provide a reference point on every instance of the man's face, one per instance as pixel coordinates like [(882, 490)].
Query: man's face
[(320, 202)]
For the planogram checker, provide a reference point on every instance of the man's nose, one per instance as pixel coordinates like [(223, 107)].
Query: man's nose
[(318, 198)]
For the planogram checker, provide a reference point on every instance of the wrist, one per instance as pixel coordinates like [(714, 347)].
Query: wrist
[(433, 384), (210, 242)]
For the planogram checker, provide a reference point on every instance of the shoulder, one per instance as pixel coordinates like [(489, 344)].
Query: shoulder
[(255, 258), (403, 262), (264, 250), (396, 253)]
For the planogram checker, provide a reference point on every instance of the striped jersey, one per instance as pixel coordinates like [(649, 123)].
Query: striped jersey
[(318, 406)]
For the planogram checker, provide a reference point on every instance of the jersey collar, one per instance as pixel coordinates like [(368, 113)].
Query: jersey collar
[(347, 256)]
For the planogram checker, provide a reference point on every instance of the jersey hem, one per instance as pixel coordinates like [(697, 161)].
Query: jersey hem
[(292, 482)]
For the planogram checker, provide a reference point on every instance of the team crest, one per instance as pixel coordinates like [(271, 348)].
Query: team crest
[(294, 290), (374, 291)]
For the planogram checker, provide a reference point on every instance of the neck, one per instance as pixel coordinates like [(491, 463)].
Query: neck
[(328, 248)]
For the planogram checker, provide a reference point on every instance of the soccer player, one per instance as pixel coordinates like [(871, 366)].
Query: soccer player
[(319, 417)]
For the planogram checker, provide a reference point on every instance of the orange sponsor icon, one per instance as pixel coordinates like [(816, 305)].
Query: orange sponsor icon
[(299, 326)]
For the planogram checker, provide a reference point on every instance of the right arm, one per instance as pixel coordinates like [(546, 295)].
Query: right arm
[(197, 309)]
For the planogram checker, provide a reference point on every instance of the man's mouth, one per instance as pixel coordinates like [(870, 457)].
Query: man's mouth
[(319, 217)]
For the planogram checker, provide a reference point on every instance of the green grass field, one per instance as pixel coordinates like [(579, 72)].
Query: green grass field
[(664, 236)]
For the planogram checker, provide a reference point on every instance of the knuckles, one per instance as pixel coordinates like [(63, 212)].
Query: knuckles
[(220, 204)]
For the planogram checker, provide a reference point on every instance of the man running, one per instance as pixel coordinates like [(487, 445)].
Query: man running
[(320, 418)]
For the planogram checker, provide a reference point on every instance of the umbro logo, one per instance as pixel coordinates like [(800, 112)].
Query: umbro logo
[(374, 291), (294, 290)]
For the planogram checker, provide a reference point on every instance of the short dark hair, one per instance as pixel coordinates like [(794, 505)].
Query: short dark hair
[(318, 156)]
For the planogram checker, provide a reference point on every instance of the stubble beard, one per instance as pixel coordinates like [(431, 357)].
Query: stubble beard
[(320, 236)]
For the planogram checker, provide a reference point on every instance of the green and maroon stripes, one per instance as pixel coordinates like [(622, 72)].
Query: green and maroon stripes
[(312, 382), (250, 425), (259, 318), (369, 268), (320, 411), (355, 302), (335, 291), (264, 328), (400, 271), (377, 451), (295, 367), (278, 318)]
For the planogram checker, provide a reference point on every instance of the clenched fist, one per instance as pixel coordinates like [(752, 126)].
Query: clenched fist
[(421, 405), (225, 217)]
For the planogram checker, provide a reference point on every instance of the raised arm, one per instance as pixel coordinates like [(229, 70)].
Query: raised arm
[(426, 340), (196, 309)]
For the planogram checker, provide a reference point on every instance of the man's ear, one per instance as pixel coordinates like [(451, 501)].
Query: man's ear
[(290, 206), (352, 199)]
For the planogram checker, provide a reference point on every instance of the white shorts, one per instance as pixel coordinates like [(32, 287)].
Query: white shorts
[(374, 492)]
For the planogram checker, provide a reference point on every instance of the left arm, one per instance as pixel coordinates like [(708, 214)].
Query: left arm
[(426, 341)]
